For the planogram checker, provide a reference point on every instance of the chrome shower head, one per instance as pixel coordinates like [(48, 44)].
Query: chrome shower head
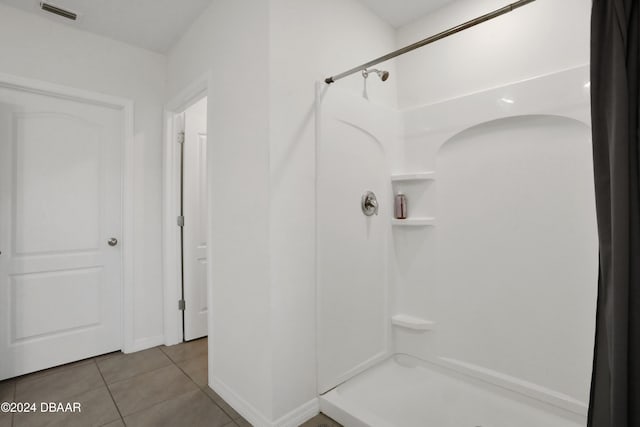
[(384, 75)]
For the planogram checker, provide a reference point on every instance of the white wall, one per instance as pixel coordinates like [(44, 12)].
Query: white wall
[(38, 48), (497, 277), (310, 40), (539, 38), (356, 147), (263, 60), (517, 251), (229, 42)]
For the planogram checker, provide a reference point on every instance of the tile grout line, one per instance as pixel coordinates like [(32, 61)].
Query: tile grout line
[(136, 375), (200, 388), (174, 361), (68, 398), (13, 398), (52, 370), (221, 408), (166, 354), (90, 389), (182, 370), (109, 391), (156, 404), (163, 401), (89, 360)]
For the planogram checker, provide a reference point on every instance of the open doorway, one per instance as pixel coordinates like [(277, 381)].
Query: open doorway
[(192, 220), (185, 213)]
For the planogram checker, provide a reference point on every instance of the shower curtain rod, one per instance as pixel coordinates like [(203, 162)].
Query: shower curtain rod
[(429, 40)]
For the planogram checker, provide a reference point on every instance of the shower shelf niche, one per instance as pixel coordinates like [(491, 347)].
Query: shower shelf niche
[(418, 176), (414, 185), (414, 222), (411, 322)]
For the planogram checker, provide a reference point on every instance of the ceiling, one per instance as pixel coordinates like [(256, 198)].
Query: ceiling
[(401, 12), (158, 24), (151, 24)]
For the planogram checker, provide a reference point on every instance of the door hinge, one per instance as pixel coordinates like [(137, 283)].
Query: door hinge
[(181, 221), (180, 137), (181, 305)]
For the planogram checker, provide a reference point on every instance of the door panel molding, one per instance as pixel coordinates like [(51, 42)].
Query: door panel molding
[(31, 233), (126, 106), (30, 294)]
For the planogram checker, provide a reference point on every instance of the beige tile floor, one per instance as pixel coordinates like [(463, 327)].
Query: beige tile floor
[(162, 386)]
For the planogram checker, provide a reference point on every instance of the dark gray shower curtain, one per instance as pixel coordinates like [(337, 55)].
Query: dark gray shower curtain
[(615, 385)]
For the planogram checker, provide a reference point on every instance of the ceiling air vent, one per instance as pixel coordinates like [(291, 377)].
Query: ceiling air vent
[(48, 7)]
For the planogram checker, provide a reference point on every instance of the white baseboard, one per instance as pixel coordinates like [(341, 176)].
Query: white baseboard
[(293, 419), (299, 415), (145, 343)]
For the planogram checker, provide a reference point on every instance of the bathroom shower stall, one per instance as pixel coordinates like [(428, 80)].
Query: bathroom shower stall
[(478, 309)]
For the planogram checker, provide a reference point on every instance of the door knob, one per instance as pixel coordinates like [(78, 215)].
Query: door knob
[(112, 241)]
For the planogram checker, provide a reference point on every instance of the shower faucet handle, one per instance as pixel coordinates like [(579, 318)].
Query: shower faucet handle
[(369, 203), (373, 203)]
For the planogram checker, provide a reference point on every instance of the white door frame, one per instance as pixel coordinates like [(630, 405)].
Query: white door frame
[(126, 106), (171, 206)]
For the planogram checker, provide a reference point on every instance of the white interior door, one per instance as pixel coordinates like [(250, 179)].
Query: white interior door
[(195, 221), (60, 203)]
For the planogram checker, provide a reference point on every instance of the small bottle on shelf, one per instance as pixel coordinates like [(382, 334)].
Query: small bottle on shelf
[(400, 206)]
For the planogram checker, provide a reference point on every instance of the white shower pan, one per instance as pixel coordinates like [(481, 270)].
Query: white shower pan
[(406, 392)]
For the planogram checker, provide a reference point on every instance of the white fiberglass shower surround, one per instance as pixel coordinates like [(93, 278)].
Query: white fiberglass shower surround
[(478, 308)]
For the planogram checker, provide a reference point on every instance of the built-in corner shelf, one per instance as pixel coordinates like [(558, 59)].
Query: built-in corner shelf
[(418, 176), (414, 222), (411, 322)]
